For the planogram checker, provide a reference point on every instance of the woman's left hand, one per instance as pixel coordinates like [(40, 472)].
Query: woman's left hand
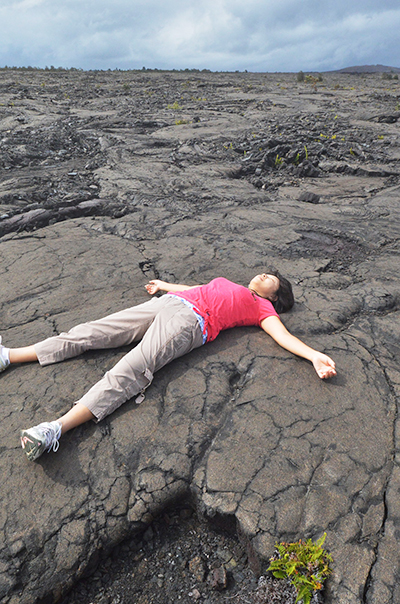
[(324, 365)]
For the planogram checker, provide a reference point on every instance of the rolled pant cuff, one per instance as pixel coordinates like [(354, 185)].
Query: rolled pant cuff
[(100, 403)]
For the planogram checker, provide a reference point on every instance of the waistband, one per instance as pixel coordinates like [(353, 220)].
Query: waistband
[(199, 317)]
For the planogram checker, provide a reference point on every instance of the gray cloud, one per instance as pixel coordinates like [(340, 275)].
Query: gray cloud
[(258, 35)]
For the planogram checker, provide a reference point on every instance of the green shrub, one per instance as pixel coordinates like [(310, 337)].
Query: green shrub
[(304, 563)]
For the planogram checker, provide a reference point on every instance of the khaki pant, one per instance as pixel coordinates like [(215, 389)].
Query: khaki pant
[(167, 330)]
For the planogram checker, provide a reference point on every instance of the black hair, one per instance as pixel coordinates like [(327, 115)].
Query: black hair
[(284, 295)]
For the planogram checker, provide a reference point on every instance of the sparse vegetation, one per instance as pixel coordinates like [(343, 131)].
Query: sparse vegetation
[(390, 76), (310, 79)]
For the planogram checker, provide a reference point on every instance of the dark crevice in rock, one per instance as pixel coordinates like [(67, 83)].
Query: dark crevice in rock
[(176, 557), (148, 269), (35, 219), (369, 581)]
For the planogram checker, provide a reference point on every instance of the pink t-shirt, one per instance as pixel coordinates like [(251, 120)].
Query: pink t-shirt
[(224, 304)]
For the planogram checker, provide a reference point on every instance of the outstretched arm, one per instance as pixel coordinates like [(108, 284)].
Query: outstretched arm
[(323, 365), (155, 285)]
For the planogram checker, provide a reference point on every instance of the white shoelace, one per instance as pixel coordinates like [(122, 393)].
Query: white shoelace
[(52, 432)]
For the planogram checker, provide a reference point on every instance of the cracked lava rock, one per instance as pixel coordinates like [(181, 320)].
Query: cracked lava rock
[(110, 179)]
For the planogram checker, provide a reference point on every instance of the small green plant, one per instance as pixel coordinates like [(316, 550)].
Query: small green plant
[(181, 122), (305, 149), (175, 106), (304, 563), (278, 161), (310, 79), (126, 87)]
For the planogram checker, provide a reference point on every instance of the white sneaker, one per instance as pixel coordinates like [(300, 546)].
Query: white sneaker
[(4, 363), (40, 438)]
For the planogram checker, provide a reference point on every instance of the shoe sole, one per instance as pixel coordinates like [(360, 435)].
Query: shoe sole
[(30, 445)]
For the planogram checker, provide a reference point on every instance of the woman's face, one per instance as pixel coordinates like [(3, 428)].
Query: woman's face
[(265, 285)]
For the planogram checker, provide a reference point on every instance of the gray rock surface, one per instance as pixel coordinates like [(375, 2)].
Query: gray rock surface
[(111, 179)]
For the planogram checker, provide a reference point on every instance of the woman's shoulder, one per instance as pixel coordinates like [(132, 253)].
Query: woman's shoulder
[(225, 281), (266, 306)]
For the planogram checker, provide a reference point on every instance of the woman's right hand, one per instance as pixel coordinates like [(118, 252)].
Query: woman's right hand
[(323, 365), (153, 286)]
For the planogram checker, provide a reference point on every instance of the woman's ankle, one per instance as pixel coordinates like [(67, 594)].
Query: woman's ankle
[(22, 355)]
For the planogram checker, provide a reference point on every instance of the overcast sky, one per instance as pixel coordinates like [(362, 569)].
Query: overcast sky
[(221, 35)]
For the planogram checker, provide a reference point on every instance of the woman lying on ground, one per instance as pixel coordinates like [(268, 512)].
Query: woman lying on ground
[(167, 327)]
